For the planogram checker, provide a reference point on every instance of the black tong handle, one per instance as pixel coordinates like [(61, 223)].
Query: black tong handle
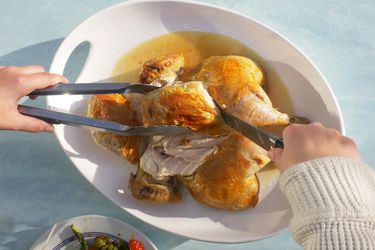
[(93, 88), (100, 125), (69, 119)]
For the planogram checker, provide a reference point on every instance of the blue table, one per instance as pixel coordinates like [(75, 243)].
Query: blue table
[(39, 186)]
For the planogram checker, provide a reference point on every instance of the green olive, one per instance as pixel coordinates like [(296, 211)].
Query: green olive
[(99, 242)]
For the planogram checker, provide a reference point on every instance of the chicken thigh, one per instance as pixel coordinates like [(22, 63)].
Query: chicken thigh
[(227, 179), (235, 83)]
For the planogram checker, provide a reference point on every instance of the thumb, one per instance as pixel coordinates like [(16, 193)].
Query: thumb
[(275, 154)]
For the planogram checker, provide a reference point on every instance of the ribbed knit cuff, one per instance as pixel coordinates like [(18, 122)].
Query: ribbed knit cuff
[(328, 188), (333, 203)]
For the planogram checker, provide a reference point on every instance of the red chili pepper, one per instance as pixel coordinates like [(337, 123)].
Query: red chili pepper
[(135, 245)]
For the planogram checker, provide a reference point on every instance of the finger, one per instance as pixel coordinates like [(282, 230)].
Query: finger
[(275, 154), (29, 69), (1, 67), (31, 124), (40, 81)]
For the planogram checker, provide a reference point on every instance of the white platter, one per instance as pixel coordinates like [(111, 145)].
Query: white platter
[(117, 29), (60, 236)]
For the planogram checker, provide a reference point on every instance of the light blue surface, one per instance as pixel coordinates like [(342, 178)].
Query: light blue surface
[(40, 186)]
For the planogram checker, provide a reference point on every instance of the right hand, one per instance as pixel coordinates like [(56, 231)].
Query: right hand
[(312, 141)]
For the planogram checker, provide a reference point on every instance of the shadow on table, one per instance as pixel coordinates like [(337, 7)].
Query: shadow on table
[(42, 54)]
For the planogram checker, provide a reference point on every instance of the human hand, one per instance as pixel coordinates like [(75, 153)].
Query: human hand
[(16, 82), (312, 141)]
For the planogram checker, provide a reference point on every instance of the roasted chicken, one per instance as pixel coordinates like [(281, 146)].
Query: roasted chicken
[(217, 165)]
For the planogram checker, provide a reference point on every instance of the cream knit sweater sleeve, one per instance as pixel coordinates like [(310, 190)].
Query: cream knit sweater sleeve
[(333, 203)]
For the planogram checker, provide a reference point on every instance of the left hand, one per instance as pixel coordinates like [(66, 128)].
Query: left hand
[(16, 82)]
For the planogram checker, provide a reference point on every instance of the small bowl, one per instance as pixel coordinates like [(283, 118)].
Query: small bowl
[(61, 237)]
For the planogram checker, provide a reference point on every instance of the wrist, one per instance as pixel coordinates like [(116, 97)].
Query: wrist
[(333, 184)]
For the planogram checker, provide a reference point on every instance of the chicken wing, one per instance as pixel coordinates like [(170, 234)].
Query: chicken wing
[(144, 187), (116, 108), (167, 68)]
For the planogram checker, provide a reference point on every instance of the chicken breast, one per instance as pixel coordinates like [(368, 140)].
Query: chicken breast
[(184, 104), (117, 108), (235, 83)]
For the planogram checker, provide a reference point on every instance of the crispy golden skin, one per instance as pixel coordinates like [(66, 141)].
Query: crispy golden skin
[(144, 187), (227, 179), (235, 83), (186, 104), (167, 68), (116, 108)]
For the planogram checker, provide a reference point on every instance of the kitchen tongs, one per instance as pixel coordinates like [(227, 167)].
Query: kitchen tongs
[(96, 124)]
